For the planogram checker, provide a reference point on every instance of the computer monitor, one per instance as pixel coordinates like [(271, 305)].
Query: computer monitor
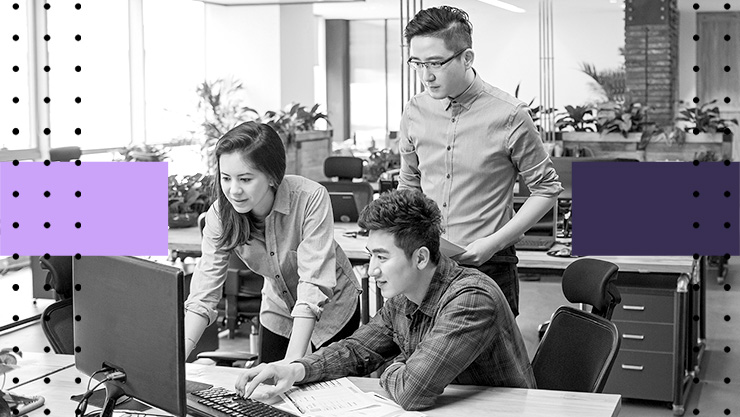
[(130, 317), (344, 207)]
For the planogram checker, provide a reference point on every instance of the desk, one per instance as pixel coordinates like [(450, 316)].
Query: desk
[(456, 401), (661, 320), (662, 342)]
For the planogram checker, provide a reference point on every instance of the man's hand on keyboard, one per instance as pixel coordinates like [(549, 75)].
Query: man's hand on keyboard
[(272, 378)]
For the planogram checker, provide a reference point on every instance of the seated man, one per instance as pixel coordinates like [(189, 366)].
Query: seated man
[(442, 323)]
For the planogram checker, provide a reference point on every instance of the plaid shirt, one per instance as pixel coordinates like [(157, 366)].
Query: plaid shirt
[(463, 333)]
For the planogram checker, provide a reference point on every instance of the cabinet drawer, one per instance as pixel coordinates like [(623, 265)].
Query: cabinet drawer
[(644, 307), (645, 336), (643, 375)]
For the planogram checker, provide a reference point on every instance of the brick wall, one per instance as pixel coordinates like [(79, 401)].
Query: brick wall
[(651, 56)]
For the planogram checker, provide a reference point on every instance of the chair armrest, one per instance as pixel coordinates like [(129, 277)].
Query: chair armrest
[(228, 358)]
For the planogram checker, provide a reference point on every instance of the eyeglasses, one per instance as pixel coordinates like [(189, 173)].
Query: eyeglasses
[(433, 65)]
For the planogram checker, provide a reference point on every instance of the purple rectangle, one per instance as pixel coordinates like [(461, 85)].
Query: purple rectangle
[(656, 208), (121, 208)]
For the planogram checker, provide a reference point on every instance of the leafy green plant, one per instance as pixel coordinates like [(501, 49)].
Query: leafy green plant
[(145, 153), (380, 161), (704, 119), (189, 193), (292, 119), (578, 119), (626, 117), (709, 156), (670, 134), (220, 104), (608, 83)]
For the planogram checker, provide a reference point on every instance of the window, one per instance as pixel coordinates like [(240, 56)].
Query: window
[(104, 113), (375, 80), (174, 66), (15, 103)]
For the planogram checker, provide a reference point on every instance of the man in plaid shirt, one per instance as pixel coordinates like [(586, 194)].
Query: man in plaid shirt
[(442, 323)]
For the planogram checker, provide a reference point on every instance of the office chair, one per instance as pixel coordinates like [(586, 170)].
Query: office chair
[(58, 276), (57, 319), (345, 168), (579, 348), (65, 154)]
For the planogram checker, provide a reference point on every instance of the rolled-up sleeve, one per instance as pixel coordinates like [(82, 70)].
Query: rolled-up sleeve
[(210, 271), (317, 267), (357, 355), (409, 175), (528, 154)]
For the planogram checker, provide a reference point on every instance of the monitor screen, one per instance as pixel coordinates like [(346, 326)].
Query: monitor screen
[(131, 318), (546, 226)]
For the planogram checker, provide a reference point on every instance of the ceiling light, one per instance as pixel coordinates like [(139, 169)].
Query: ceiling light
[(504, 5)]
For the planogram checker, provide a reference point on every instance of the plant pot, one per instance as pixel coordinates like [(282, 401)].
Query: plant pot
[(180, 220), (306, 155)]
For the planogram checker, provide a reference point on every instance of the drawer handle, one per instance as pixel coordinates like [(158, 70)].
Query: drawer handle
[(634, 308), (632, 367), (633, 336)]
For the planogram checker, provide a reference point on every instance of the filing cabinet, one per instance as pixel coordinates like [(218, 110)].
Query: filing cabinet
[(655, 320)]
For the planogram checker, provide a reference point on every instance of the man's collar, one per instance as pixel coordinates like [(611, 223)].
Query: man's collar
[(467, 97)]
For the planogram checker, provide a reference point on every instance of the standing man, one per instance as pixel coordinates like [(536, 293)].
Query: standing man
[(464, 142)]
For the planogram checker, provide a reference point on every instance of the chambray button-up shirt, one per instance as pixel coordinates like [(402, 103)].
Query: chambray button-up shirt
[(307, 274), (466, 153), (463, 333)]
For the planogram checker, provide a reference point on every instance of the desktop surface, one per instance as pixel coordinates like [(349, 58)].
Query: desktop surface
[(457, 400)]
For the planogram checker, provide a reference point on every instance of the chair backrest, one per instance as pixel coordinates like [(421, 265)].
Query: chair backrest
[(579, 348), (345, 168), (59, 276), (57, 324), (577, 352), (591, 281)]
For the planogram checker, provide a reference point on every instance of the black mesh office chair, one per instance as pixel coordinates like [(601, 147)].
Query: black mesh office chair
[(345, 168), (579, 348), (57, 318)]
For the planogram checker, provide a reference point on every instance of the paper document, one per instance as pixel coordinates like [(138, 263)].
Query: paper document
[(341, 398), (449, 249), (338, 395)]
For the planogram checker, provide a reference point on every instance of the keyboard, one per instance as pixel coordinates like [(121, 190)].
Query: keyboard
[(220, 402), (534, 244)]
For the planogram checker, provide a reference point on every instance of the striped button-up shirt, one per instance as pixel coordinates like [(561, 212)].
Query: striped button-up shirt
[(465, 154), (306, 273), (463, 333)]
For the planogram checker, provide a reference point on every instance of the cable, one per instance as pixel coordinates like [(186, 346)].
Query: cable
[(112, 376)]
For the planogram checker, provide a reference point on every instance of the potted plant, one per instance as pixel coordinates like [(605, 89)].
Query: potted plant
[(307, 144), (625, 118), (188, 197), (145, 153), (704, 119), (220, 104), (379, 162)]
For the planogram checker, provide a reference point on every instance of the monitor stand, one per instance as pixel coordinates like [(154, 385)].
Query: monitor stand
[(112, 393)]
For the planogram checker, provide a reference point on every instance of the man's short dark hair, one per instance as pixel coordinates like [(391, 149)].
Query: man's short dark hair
[(412, 218), (448, 23)]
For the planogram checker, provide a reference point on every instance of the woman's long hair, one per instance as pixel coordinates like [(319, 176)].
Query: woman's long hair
[(261, 147)]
